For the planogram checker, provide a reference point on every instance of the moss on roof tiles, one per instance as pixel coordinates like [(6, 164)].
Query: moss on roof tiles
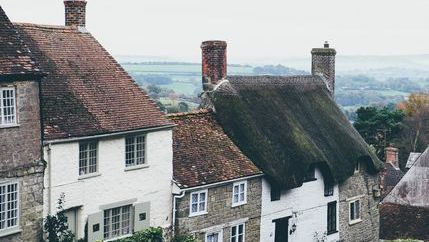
[(287, 124)]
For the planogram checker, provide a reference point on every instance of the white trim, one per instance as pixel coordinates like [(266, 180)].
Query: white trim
[(237, 235), (219, 232), (358, 165), (17, 227), (355, 197), (129, 132), (220, 183), (222, 226), (136, 167), (239, 203), (15, 109), (359, 219), (192, 214), (89, 175)]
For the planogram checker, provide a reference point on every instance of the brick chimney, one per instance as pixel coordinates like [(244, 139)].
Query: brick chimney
[(323, 63), (75, 12), (392, 156), (213, 63)]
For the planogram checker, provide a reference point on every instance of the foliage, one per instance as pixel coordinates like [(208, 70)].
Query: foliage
[(149, 235), (56, 226), (183, 107), (379, 126), (184, 238)]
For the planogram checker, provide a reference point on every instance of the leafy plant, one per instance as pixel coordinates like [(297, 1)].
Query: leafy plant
[(149, 235), (56, 225), (184, 238)]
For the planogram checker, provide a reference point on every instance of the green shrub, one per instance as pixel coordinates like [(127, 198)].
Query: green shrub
[(149, 235), (184, 238), (56, 226)]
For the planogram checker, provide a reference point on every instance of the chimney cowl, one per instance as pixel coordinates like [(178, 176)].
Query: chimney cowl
[(75, 13)]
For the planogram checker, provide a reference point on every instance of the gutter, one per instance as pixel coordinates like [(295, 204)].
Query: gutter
[(222, 182), (49, 179), (66, 140), (176, 196)]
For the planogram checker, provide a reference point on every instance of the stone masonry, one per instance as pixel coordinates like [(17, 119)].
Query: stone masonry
[(360, 186), (20, 159), (214, 66), (220, 212), (323, 62)]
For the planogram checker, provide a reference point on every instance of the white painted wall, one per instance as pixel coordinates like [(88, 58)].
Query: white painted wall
[(310, 205), (113, 184)]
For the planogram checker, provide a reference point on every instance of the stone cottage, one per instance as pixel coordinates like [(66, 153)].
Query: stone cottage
[(107, 146), (21, 165), (320, 179), (218, 189), (404, 212)]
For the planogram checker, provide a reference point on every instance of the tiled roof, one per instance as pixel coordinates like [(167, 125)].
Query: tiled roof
[(14, 55), (203, 153), (412, 189), (390, 176), (411, 159), (86, 92), (285, 125)]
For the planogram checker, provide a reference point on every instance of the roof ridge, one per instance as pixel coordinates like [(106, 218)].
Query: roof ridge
[(198, 112), (46, 26)]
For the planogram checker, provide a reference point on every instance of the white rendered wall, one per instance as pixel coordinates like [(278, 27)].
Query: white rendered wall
[(113, 184), (310, 206)]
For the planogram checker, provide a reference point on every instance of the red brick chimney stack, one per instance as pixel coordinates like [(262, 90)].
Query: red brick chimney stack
[(213, 63), (75, 12), (392, 156)]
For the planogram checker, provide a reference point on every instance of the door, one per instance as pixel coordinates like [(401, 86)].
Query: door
[(282, 229), (71, 215)]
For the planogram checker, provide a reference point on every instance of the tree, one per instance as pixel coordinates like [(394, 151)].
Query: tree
[(416, 123), (183, 107), (379, 126), (56, 226)]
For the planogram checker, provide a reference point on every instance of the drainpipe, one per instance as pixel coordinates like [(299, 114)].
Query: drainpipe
[(49, 179), (175, 196)]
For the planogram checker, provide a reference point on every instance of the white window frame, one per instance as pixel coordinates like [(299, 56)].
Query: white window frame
[(240, 202), (235, 238), (88, 152), (121, 213), (15, 228), (135, 161), (198, 212), (15, 116), (219, 232), (355, 220)]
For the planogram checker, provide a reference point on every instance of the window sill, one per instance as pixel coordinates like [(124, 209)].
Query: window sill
[(117, 238), (332, 232), (198, 214), (238, 204), (136, 167), (7, 126), (356, 221), (90, 175), (10, 231)]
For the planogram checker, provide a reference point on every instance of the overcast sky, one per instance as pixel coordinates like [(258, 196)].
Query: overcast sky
[(253, 29)]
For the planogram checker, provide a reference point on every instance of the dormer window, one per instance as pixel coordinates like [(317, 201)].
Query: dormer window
[(7, 106), (310, 175)]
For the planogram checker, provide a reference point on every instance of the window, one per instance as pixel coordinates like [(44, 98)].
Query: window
[(117, 222), (329, 189), (239, 193), (310, 174), (357, 167), (135, 150), (214, 236), (87, 158), (7, 106), (237, 233), (275, 194), (198, 204), (354, 211), (332, 217), (8, 206)]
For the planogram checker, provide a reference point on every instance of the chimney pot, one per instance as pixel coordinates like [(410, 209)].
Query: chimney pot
[(214, 66), (392, 156), (75, 11), (326, 45)]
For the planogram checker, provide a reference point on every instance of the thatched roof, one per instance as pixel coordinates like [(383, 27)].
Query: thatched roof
[(287, 124)]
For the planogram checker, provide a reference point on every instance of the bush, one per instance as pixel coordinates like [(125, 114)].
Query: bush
[(184, 238), (56, 226), (149, 235)]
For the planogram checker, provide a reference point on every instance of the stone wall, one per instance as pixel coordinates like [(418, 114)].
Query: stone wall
[(20, 161), (220, 212), (359, 186)]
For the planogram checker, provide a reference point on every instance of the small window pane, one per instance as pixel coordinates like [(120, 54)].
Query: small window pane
[(8, 206), (135, 150)]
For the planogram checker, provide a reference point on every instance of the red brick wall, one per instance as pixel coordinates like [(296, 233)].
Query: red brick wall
[(398, 221)]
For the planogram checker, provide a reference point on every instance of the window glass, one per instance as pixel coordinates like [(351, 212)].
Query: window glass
[(7, 106), (135, 150), (8, 206), (117, 222)]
